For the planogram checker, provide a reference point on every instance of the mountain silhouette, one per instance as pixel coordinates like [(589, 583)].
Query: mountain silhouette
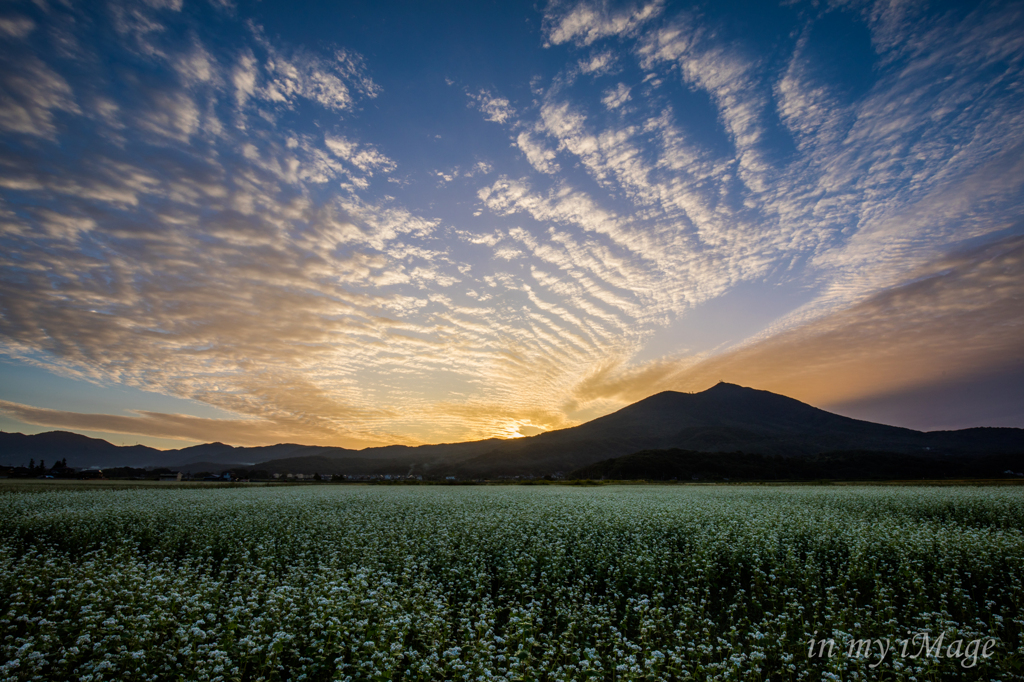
[(80, 451), (724, 418)]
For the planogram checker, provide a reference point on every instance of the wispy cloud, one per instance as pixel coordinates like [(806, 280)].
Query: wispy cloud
[(586, 22), (16, 26), (599, 63), (327, 82), (31, 93), (616, 97), (496, 109), (179, 426), (954, 317), (540, 157), (364, 157)]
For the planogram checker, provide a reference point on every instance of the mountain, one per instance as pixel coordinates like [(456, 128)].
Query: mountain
[(17, 449), (425, 460), (724, 418), (81, 451)]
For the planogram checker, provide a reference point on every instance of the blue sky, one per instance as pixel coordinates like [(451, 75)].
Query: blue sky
[(364, 223)]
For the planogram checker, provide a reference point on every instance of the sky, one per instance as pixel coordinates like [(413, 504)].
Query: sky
[(364, 223)]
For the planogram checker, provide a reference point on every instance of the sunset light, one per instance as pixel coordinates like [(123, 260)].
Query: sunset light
[(252, 223), (511, 341)]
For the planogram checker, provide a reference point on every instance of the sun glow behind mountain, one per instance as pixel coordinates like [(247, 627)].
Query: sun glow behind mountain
[(361, 224)]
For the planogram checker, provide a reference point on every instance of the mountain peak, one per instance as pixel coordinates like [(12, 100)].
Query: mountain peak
[(726, 386)]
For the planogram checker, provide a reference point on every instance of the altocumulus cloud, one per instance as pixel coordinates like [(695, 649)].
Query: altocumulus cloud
[(208, 220), (176, 426), (959, 315)]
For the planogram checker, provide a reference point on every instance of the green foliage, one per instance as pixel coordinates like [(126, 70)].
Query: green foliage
[(514, 583)]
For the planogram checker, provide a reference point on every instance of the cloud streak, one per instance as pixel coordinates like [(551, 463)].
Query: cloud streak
[(953, 318), (175, 426)]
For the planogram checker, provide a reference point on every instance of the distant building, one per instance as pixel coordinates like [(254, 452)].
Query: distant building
[(173, 476)]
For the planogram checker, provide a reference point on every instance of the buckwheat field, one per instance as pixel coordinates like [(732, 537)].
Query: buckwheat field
[(511, 583)]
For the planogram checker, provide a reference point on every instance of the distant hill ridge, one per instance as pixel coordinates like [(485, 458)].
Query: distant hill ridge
[(724, 418)]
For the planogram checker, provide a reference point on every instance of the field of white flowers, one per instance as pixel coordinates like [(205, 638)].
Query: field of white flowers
[(506, 583)]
